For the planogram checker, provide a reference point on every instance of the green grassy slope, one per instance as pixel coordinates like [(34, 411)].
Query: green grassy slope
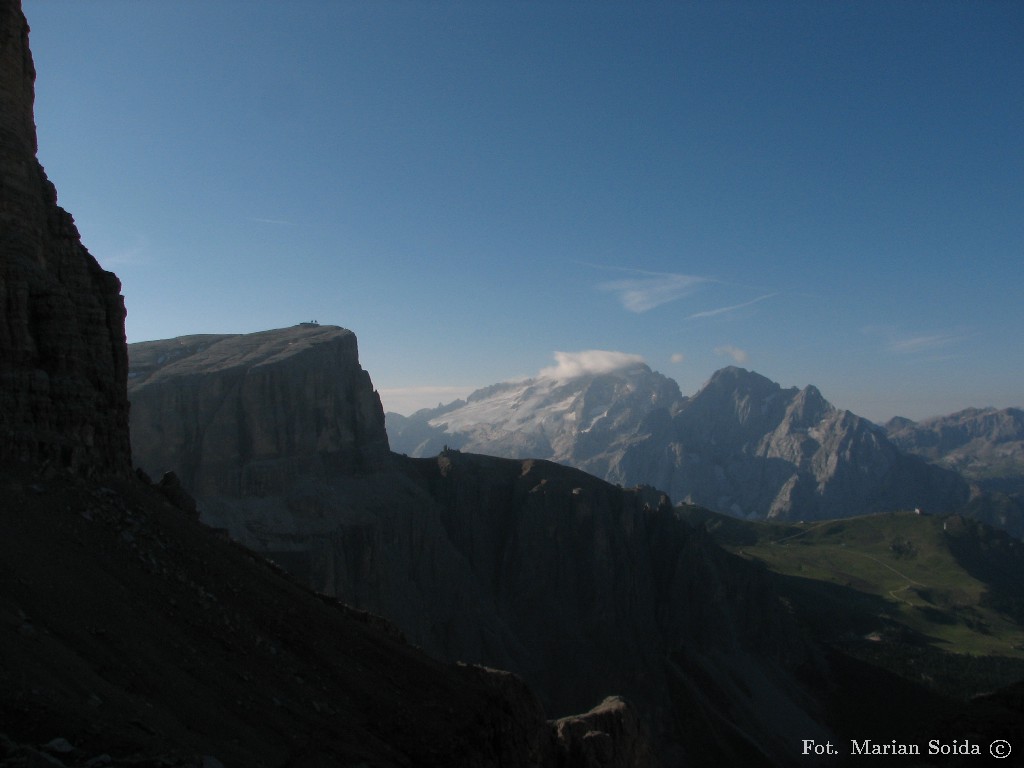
[(935, 599)]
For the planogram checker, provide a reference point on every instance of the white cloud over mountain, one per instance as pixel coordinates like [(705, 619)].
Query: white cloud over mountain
[(571, 365)]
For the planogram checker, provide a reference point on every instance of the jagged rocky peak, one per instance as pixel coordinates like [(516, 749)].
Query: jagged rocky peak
[(733, 378), (63, 399), (240, 413), (735, 381), (897, 423), (808, 408), (744, 394)]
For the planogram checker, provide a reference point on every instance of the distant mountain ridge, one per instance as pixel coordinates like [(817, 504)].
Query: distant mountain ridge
[(582, 421), (986, 446), (980, 443), (742, 444)]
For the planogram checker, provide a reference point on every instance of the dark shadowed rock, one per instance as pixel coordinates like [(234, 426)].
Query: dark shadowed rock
[(62, 346), (130, 631), (171, 487)]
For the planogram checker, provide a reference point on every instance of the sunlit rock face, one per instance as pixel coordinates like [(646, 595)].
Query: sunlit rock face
[(63, 400), (742, 445), (746, 446)]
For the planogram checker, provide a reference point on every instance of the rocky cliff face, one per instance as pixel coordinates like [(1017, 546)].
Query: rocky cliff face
[(746, 446), (63, 400), (244, 415)]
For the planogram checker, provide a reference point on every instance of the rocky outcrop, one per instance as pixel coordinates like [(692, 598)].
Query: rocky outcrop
[(608, 736), (245, 415), (63, 399)]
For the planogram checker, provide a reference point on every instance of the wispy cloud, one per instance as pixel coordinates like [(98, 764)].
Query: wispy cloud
[(275, 222), (914, 344), (652, 289), (677, 357), (571, 365), (732, 308), (902, 343), (738, 355)]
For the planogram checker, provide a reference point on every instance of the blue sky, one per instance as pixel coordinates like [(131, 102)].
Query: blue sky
[(824, 192)]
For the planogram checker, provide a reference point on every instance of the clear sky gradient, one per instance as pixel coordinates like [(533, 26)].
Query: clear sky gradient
[(828, 193)]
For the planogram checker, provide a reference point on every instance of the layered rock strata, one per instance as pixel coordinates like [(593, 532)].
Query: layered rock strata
[(63, 361)]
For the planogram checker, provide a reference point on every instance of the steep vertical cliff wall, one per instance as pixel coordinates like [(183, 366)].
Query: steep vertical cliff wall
[(246, 415), (63, 358)]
